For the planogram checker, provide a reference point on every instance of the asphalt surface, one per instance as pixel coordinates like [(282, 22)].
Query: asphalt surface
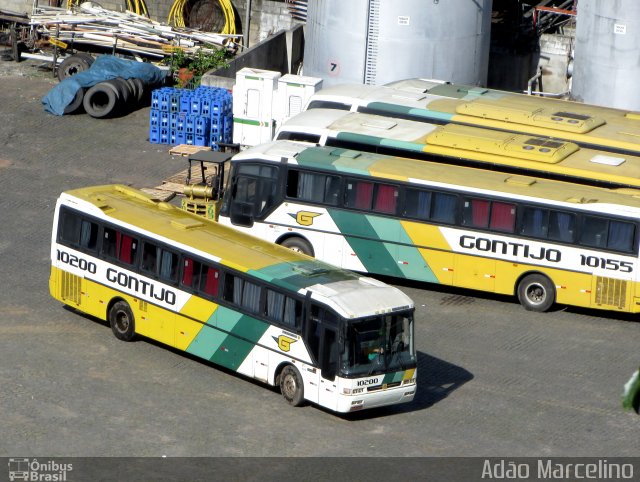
[(494, 380)]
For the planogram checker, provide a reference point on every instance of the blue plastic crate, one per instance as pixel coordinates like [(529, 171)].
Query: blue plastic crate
[(189, 139), (189, 124), (154, 118), (180, 121), (185, 102), (200, 140), (201, 125), (154, 135), (181, 137), (165, 136)]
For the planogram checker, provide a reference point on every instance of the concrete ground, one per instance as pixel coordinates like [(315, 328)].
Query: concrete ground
[(494, 380)]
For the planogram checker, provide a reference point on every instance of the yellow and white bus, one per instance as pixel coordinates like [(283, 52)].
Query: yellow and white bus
[(544, 241), (590, 126), (323, 334), (463, 145)]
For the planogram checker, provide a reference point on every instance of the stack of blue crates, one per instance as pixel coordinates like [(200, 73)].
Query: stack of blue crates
[(199, 117)]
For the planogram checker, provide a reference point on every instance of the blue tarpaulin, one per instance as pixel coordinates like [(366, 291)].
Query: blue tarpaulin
[(105, 67)]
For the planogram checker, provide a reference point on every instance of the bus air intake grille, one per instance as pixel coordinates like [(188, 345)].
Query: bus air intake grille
[(611, 292), (386, 386), (71, 287)]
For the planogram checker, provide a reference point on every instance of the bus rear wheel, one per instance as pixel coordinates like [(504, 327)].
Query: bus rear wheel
[(291, 386), (536, 293), (122, 321), (298, 245)]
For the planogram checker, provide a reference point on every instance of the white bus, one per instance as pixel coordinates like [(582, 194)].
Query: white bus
[(320, 333)]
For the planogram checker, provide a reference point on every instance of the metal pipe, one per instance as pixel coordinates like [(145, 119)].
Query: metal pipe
[(247, 24), (532, 80)]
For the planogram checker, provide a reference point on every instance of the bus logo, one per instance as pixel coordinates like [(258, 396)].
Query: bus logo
[(284, 342), (18, 469), (304, 218)]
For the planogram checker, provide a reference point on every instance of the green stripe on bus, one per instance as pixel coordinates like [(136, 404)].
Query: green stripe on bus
[(299, 275), (241, 325), (393, 377), (364, 241), (251, 122), (319, 157), (413, 111), (408, 258)]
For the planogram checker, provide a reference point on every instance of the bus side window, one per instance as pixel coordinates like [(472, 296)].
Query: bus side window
[(386, 198), (621, 236), (168, 265), (562, 226), (594, 232), (120, 246), (149, 258), (534, 222), (417, 204)]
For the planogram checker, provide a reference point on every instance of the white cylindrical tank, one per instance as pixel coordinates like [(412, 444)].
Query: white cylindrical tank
[(607, 54), (380, 41)]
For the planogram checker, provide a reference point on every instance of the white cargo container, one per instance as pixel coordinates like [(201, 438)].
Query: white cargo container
[(263, 99)]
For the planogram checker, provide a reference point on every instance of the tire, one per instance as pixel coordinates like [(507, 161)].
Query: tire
[(536, 293), (298, 245), (76, 104), (122, 321), (74, 65), (291, 386), (101, 100)]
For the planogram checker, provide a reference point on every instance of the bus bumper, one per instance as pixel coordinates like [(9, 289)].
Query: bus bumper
[(363, 401)]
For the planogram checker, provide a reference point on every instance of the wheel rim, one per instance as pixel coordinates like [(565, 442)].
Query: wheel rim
[(296, 249), (122, 321), (289, 386), (536, 294)]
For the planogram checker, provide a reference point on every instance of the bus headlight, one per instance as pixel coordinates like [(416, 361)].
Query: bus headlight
[(410, 381)]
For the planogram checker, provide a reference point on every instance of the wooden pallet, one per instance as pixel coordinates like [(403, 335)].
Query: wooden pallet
[(158, 194), (186, 149)]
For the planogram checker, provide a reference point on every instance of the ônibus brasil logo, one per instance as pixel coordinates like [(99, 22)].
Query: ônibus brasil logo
[(33, 470)]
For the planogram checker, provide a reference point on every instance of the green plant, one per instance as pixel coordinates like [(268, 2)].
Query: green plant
[(187, 70)]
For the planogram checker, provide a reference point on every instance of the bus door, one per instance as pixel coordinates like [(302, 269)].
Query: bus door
[(322, 340)]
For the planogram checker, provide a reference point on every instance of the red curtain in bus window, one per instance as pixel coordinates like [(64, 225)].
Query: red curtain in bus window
[(125, 248), (386, 199), (503, 217), (211, 287), (187, 273), (480, 213), (364, 192)]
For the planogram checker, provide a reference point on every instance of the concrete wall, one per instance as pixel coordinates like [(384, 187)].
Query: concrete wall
[(281, 52)]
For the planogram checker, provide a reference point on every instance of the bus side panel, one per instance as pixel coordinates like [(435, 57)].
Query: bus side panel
[(154, 321), (191, 319), (230, 342)]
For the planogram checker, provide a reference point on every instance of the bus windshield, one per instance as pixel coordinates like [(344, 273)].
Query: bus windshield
[(378, 344)]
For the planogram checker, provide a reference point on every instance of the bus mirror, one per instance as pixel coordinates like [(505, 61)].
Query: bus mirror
[(239, 218)]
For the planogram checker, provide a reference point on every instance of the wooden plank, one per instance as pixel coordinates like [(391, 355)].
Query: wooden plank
[(187, 149), (159, 194)]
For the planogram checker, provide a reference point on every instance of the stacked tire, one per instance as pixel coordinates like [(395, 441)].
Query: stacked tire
[(106, 99), (114, 97)]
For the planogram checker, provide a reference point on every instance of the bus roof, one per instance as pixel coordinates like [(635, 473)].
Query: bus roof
[(622, 201), (475, 144), (435, 101), (350, 294)]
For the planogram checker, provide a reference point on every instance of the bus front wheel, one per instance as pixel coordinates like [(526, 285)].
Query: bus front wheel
[(122, 321), (298, 245), (291, 386), (536, 293)]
